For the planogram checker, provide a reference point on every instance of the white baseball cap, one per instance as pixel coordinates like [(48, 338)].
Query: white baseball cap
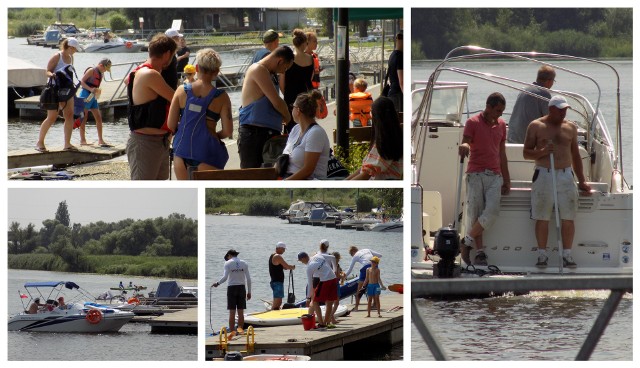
[(72, 42), (172, 33), (558, 102), (324, 241), (281, 245)]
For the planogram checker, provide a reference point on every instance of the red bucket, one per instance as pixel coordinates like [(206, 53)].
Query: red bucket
[(308, 321)]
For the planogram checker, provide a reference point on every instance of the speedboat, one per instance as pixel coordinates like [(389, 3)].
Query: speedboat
[(386, 227), (603, 226), (74, 316), (115, 45)]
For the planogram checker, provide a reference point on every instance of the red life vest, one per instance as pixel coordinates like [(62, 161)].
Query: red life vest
[(360, 107), (315, 78), (94, 80)]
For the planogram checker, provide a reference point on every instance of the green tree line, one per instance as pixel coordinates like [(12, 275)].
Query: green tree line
[(269, 202), (58, 239), (585, 32)]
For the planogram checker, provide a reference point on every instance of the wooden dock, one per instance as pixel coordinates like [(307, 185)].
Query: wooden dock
[(57, 156), (180, 322), (353, 332)]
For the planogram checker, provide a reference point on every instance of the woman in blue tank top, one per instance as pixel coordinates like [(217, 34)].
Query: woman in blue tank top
[(195, 110)]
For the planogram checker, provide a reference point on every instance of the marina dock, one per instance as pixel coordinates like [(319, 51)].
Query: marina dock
[(353, 332), (57, 156), (180, 322)]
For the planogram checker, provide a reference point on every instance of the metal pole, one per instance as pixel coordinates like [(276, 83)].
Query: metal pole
[(601, 323), (342, 81), (426, 333), (555, 206)]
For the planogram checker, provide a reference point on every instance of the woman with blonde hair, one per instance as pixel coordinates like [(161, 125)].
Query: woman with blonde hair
[(297, 79), (308, 144), (195, 111), (60, 69)]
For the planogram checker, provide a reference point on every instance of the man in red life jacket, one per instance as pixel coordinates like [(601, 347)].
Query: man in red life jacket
[(148, 93), (360, 104)]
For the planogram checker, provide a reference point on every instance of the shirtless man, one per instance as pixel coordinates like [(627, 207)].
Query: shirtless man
[(148, 145), (553, 134), (263, 111), (35, 306)]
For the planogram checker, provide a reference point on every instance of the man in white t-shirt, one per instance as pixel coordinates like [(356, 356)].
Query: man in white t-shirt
[(326, 291), (237, 271)]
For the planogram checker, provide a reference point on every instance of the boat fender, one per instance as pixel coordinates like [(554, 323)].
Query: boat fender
[(94, 316), (129, 44), (134, 300)]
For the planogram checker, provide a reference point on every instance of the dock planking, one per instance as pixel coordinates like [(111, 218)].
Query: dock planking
[(323, 344), (57, 156), (180, 322)]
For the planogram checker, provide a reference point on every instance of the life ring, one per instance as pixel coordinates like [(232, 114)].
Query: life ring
[(133, 300), (129, 44), (94, 316)]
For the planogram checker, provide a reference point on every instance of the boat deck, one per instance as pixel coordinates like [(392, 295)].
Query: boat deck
[(326, 344)]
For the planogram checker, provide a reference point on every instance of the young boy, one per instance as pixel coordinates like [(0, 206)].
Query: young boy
[(189, 74), (374, 284), (360, 104)]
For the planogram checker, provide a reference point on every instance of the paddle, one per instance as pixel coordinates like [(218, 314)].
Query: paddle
[(398, 288)]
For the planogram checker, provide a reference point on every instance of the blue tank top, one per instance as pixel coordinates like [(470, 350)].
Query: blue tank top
[(193, 140), (261, 113)]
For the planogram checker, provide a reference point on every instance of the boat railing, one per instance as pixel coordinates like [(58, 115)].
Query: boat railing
[(536, 57), (618, 285)]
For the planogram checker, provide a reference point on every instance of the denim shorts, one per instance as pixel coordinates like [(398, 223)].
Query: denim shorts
[(278, 289)]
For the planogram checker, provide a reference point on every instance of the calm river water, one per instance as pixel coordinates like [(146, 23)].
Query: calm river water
[(255, 238), (133, 342)]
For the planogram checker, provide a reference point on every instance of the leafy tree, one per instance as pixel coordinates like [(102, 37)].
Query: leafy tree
[(161, 247), (119, 22), (364, 203), (62, 214), (15, 237)]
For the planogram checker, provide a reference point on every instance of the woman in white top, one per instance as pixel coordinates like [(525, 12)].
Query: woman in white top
[(58, 62), (308, 144)]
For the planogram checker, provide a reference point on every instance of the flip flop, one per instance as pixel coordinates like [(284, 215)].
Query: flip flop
[(71, 149), (106, 145), (42, 149)]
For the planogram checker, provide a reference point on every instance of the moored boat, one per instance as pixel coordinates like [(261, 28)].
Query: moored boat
[(74, 316), (115, 45), (603, 242)]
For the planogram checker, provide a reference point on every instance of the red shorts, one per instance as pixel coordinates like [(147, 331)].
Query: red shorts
[(326, 291)]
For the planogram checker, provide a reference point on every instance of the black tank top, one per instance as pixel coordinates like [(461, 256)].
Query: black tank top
[(276, 272)]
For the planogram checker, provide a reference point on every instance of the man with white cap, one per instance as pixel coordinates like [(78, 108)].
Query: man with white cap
[(553, 134), (277, 265), (170, 74), (237, 271), (362, 256)]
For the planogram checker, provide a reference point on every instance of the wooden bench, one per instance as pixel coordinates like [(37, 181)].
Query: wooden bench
[(268, 173)]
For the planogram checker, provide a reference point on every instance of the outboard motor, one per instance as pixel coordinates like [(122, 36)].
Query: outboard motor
[(447, 246), (233, 355)]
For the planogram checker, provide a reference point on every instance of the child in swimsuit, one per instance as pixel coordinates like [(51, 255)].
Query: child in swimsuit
[(373, 283)]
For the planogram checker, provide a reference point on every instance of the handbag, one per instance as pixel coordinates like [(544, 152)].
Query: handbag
[(335, 169), (282, 164), (387, 86), (291, 295), (49, 96)]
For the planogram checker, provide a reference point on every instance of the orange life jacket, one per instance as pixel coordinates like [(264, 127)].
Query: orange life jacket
[(360, 107), (315, 78)]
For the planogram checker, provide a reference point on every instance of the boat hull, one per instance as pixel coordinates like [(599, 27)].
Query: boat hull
[(67, 323), (109, 48)]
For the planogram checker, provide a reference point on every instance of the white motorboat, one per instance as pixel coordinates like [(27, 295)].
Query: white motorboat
[(74, 316), (115, 45), (603, 227), (386, 227)]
